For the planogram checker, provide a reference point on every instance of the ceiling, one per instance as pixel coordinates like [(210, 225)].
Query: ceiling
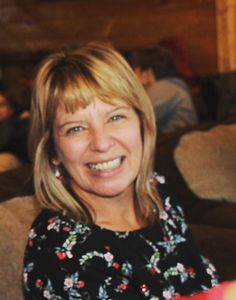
[(34, 26)]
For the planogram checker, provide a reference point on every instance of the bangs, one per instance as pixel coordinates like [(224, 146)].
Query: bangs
[(77, 85)]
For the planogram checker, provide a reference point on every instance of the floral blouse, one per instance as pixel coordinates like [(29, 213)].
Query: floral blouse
[(68, 260)]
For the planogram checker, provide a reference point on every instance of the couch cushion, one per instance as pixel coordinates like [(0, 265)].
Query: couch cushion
[(16, 216), (207, 162), (8, 161)]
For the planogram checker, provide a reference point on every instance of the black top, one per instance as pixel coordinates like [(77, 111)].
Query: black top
[(13, 137), (68, 260)]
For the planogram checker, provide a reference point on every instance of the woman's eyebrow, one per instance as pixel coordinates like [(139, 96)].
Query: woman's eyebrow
[(60, 126), (113, 110), (120, 108)]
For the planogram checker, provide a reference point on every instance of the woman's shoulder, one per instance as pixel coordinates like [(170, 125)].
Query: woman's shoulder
[(46, 217), (169, 201), (53, 228)]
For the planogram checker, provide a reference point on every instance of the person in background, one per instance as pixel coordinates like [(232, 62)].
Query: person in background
[(6, 112), (178, 48), (109, 228), (13, 128), (169, 93)]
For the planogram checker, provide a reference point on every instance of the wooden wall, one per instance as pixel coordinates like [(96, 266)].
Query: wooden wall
[(192, 21), (226, 35), (135, 24)]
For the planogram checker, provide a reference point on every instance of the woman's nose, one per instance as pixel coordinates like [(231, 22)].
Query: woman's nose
[(101, 140)]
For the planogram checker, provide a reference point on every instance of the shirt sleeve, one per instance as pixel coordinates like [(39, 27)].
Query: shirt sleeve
[(45, 270), (203, 271)]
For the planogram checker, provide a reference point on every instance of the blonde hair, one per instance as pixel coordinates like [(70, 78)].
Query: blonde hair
[(72, 79)]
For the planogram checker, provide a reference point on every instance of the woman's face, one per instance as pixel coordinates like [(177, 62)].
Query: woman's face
[(100, 146)]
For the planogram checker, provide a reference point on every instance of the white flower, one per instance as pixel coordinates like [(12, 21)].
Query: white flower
[(167, 295), (163, 215), (161, 179), (51, 225), (180, 267), (69, 254), (32, 233), (25, 276), (68, 282), (47, 295), (209, 271), (108, 256)]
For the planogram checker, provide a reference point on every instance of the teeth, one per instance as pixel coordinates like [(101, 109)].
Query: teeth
[(106, 166)]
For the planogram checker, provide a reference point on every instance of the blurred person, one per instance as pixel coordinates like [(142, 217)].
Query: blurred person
[(178, 48), (6, 109), (169, 93), (13, 127), (6, 115)]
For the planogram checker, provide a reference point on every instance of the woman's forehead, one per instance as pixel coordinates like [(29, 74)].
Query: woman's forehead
[(81, 105), (71, 102)]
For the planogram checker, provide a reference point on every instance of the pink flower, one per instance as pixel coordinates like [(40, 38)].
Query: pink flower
[(38, 283), (167, 295), (108, 256), (68, 282), (61, 255), (108, 248), (153, 271), (123, 286), (66, 228), (81, 284), (191, 271), (69, 254), (144, 288), (116, 265)]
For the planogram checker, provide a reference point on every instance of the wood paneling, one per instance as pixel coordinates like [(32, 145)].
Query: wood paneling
[(31, 26), (226, 36)]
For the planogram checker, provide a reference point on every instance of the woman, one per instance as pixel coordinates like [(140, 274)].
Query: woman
[(109, 229)]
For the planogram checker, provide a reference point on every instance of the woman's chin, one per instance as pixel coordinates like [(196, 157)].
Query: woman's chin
[(108, 191), (103, 190)]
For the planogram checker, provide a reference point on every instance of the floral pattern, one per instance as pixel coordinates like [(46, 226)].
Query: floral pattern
[(67, 260)]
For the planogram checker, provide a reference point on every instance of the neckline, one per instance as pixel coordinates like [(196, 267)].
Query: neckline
[(120, 232)]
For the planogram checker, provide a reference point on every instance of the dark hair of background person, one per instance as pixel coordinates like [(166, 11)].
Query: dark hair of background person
[(14, 130), (12, 101), (159, 59)]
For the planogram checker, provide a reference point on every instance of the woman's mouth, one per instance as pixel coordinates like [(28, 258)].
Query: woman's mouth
[(106, 166)]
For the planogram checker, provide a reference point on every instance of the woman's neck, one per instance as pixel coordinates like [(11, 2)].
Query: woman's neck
[(116, 213), (117, 218)]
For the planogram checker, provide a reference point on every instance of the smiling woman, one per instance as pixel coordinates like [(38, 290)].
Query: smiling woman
[(108, 228)]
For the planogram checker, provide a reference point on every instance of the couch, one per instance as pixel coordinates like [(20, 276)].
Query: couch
[(185, 159)]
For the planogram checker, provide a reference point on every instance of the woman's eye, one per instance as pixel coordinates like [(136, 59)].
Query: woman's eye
[(74, 130), (117, 118)]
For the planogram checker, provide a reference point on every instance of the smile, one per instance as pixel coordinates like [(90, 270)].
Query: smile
[(106, 166)]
